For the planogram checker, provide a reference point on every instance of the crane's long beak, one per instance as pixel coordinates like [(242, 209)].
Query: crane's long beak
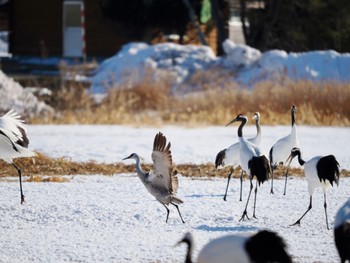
[(127, 157), (289, 160), (234, 120)]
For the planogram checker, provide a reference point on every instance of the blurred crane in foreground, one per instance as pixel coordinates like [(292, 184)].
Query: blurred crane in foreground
[(264, 246)]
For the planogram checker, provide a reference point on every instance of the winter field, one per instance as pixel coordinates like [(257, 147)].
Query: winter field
[(114, 219)]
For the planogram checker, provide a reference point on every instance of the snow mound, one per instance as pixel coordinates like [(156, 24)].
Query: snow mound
[(242, 64), (14, 96), (136, 59)]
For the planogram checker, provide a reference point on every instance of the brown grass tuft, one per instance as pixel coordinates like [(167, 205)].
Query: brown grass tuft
[(46, 169)]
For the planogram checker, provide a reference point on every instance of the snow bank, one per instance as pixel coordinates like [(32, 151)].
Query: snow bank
[(14, 96), (246, 65), (136, 59)]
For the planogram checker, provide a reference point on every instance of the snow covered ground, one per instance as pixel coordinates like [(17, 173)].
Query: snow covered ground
[(114, 218)]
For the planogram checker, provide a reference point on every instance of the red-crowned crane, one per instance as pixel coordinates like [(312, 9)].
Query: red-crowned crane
[(264, 246), (252, 162), (230, 156), (342, 231), (161, 182), (14, 142), (280, 151), (320, 171)]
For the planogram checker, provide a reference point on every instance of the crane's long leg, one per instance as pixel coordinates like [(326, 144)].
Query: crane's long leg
[(272, 169), (245, 210), (167, 213), (240, 192), (20, 182), (285, 182), (309, 208), (255, 191), (228, 182), (178, 210), (325, 209)]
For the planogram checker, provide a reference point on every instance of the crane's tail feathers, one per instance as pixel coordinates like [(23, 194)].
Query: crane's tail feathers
[(328, 169), (260, 167), (176, 200), (220, 159), (24, 152)]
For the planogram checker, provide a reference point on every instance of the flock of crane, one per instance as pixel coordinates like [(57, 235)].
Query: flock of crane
[(162, 182)]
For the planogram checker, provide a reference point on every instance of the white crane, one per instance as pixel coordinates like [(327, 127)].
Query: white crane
[(230, 156), (14, 142), (280, 151), (342, 231), (252, 162), (161, 182), (263, 246), (320, 171)]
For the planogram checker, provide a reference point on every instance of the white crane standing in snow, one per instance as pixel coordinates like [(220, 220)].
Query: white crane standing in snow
[(280, 151), (252, 162), (264, 246), (342, 231), (320, 171), (230, 156), (161, 182), (14, 142)]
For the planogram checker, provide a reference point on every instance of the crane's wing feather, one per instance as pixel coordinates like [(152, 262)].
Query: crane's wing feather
[(162, 164), (13, 126)]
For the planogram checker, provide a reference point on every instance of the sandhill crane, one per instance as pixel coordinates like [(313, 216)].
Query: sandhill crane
[(161, 182), (263, 246), (14, 142), (252, 162), (320, 171), (230, 156), (280, 151), (342, 231)]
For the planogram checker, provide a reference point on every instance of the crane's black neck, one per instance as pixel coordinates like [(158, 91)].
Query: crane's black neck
[(300, 160), (189, 251), (240, 128)]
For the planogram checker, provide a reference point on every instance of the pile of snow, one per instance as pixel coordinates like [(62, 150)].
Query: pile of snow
[(245, 65), (14, 96), (137, 59)]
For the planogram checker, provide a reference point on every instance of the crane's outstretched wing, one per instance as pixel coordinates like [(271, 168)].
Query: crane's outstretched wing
[(162, 164), (13, 126)]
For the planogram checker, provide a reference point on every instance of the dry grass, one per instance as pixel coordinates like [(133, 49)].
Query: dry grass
[(45, 169), (151, 103)]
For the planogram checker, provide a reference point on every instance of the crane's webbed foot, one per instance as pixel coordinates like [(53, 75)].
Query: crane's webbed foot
[(244, 215), (22, 199), (296, 223)]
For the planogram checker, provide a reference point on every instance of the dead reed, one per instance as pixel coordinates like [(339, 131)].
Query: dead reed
[(46, 169), (152, 103)]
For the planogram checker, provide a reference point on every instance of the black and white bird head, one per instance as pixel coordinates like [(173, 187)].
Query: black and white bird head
[(256, 116), (240, 117), (293, 153)]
